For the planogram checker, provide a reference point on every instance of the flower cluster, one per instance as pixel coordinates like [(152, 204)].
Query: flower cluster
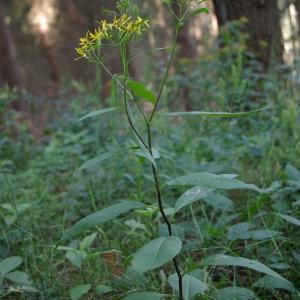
[(121, 30)]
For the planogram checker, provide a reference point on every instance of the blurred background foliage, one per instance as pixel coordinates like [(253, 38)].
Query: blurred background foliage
[(244, 54)]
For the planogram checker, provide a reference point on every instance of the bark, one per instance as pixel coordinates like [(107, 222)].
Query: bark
[(297, 5), (9, 69), (263, 25)]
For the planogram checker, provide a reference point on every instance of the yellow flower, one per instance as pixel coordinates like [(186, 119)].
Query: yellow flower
[(121, 30)]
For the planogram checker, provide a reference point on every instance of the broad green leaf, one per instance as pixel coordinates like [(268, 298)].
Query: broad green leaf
[(280, 266), (241, 231), (102, 216), (262, 234), (79, 290), (131, 280), (135, 225), (234, 293), (218, 201), (155, 153), (238, 231), (156, 253), (141, 91), (269, 282), (225, 260), (87, 241), (10, 219), (211, 114), (289, 219), (209, 180), (144, 296), (75, 257), (103, 289), (191, 285), (9, 264), (20, 207), (92, 163), (19, 277), (177, 231), (191, 196), (292, 172), (97, 113)]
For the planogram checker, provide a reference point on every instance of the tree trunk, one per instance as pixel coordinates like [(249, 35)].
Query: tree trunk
[(297, 4), (9, 69), (263, 25)]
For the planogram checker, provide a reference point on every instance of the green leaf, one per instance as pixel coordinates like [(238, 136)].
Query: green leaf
[(19, 277), (269, 282), (97, 113), (135, 225), (218, 201), (155, 153), (202, 10), (234, 293), (144, 296), (79, 290), (156, 253), (241, 231), (9, 264), (92, 163), (141, 91), (177, 231), (75, 257), (289, 219), (225, 260), (292, 172), (209, 180), (212, 114), (191, 196), (191, 285), (262, 234), (87, 241), (238, 231), (102, 216), (103, 289)]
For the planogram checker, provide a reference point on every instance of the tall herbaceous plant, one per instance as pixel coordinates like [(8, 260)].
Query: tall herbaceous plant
[(123, 28)]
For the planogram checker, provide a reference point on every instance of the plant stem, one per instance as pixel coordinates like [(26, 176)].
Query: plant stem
[(124, 59), (161, 209), (167, 71)]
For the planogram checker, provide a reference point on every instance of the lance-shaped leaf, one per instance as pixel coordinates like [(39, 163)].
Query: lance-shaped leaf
[(94, 162), (102, 216), (209, 180), (225, 260), (234, 293), (78, 291), (141, 91), (191, 196), (211, 114), (156, 253), (289, 219), (96, 113), (9, 264), (191, 285), (144, 296), (271, 283)]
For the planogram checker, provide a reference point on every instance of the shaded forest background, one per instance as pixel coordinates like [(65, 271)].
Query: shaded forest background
[(58, 166), (38, 37)]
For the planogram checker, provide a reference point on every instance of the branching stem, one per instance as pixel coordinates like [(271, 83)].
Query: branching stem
[(148, 144)]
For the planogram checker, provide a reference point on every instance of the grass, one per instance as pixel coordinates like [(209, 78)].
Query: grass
[(44, 175)]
